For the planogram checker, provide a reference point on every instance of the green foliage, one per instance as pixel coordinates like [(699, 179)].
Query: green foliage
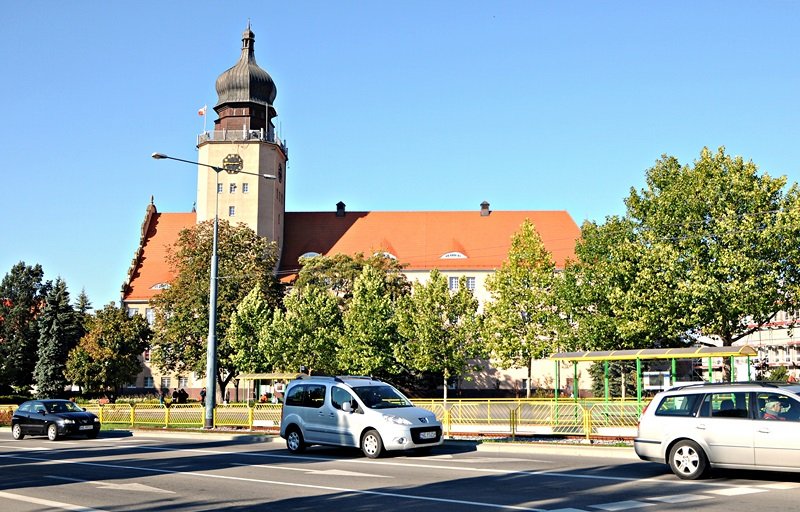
[(338, 273), (521, 321), (21, 297), (307, 333), (107, 357), (708, 249), (59, 332), (617, 371), (250, 352), (440, 329), (245, 260), (370, 331), (779, 374)]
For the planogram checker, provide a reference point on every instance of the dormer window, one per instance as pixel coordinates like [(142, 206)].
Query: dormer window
[(385, 254), (310, 254), (453, 255), (160, 286)]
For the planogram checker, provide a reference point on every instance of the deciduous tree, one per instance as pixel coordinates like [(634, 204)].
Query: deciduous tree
[(181, 328), (708, 249), (521, 321), (440, 329), (108, 356)]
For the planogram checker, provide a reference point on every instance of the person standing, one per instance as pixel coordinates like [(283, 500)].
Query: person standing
[(203, 395)]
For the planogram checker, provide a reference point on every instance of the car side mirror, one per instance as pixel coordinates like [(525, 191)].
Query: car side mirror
[(346, 407), (42, 412), (84, 408)]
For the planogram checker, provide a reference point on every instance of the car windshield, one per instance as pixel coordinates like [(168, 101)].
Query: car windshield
[(381, 397), (59, 407)]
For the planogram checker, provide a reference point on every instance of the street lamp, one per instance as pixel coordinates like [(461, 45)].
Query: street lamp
[(231, 164)]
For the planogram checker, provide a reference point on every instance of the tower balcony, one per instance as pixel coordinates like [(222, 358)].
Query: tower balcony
[(242, 135)]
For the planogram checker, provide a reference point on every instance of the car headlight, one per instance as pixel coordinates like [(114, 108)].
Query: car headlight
[(96, 419), (67, 421), (397, 420)]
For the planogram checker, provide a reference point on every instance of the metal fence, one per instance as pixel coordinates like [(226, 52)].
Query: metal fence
[(508, 417)]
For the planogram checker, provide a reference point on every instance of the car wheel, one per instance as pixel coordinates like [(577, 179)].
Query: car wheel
[(371, 444), (16, 432), (52, 432), (687, 460), (294, 440)]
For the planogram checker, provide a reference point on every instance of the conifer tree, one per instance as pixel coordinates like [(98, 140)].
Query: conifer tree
[(59, 332)]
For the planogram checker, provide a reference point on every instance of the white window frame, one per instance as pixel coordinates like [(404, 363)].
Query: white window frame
[(231, 211)]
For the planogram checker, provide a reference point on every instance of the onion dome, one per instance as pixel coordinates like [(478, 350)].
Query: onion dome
[(246, 82)]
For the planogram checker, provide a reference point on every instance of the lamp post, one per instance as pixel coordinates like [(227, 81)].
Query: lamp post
[(231, 164)]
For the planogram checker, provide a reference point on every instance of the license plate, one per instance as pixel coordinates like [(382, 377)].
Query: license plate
[(427, 435), (86, 427)]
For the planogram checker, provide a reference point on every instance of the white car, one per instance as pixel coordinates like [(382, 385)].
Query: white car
[(739, 425), (360, 412)]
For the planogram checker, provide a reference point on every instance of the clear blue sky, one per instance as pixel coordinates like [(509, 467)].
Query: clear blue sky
[(412, 105)]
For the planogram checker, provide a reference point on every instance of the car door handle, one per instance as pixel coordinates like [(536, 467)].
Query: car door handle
[(763, 430), (701, 426)]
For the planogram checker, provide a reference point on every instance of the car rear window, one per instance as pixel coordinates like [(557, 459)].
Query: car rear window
[(678, 405)]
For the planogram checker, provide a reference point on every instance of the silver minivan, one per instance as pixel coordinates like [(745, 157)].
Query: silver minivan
[(360, 412), (739, 425)]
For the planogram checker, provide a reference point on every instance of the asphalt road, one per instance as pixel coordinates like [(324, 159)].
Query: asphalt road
[(119, 471)]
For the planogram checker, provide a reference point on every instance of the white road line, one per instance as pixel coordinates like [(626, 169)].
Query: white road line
[(737, 491), (622, 505), (285, 484), (781, 486), (48, 503), (324, 472), (680, 498)]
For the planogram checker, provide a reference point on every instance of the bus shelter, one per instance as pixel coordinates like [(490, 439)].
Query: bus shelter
[(640, 355), (275, 381)]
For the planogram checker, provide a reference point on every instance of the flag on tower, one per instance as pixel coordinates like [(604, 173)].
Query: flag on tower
[(202, 111)]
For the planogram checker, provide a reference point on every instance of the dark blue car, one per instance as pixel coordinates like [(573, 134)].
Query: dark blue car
[(53, 418)]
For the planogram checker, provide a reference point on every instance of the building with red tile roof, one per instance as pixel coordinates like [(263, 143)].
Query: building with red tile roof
[(472, 243)]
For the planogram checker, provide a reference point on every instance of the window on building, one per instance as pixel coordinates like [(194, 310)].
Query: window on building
[(183, 382), (245, 188), (165, 382), (219, 188), (148, 382), (471, 284), (131, 312), (150, 316), (232, 188), (231, 211), (452, 283)]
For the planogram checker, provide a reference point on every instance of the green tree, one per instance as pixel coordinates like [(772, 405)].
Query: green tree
[(370, 329), (339, 272), (59, 332), (307, 333), (250, 351), (707, 249), (440, 329), (521, 321), (108, 356), (181, 328), (21, 298)]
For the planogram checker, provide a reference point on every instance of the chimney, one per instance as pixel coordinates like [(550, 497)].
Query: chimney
[(340, 209), (485, 209)]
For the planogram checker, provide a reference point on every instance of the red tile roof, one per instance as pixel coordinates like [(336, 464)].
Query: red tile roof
[(150, 267), (418, 239)]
